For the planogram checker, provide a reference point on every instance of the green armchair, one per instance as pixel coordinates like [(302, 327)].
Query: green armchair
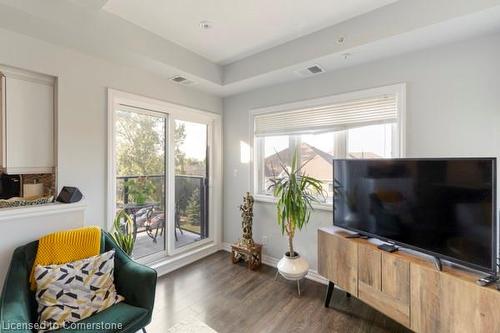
[(137, 283)]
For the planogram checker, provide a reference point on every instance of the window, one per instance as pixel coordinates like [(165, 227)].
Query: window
[(276, 151), (364, 124), (374, 141)]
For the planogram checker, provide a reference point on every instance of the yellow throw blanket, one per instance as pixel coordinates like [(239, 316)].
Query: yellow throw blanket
[(66, 246)]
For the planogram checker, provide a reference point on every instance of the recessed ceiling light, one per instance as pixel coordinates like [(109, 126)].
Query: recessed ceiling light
[(205, 25), (346, 56)]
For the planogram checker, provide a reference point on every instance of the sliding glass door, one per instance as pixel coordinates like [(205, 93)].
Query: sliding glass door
[(191, 182), (141, 141), (161, 177)]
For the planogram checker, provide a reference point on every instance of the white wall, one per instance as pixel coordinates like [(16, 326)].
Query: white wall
[(82, 114), (22, 225), (453, 109)]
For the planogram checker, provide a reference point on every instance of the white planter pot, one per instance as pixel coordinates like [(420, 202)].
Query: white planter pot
[(294, 268)]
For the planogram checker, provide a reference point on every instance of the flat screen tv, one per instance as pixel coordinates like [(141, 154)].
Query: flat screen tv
[(443, 207)]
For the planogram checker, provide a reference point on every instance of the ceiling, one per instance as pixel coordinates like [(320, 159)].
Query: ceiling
[(238, 28), (252, 44)]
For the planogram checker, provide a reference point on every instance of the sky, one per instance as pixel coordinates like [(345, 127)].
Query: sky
[(195, 143)]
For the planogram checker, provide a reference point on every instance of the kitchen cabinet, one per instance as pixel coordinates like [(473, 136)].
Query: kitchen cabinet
[(27, 122)]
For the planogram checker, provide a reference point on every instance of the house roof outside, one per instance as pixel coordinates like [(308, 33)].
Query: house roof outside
[(319, 165)]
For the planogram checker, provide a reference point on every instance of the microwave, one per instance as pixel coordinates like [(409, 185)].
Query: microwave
[(10, 186)]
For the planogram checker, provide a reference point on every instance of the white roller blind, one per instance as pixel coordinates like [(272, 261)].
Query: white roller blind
[(334, 117)]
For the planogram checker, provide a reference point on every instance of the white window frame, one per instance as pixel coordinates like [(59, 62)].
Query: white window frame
[(399, 145), (214, 141)]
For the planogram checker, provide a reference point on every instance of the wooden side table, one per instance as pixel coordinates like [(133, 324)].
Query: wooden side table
[(252, 255)]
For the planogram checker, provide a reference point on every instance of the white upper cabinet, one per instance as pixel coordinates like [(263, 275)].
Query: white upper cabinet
[(27, 131)]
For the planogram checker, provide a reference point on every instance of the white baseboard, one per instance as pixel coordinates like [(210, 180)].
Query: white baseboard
[(273, 262), (166, 266)]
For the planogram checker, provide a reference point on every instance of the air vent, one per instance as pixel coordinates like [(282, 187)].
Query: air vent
[(182, 80), (310, 71)]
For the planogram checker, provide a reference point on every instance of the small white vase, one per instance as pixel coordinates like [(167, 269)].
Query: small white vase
[(294, 268)]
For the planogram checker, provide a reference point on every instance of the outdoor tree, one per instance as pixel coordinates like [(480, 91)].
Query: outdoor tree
[(140, 144), (193, 208), (180, 156)]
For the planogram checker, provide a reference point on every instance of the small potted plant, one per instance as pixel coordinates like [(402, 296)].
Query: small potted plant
[(295, 193), (123, 232)]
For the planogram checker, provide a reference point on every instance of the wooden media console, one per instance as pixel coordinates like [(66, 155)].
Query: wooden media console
[(406, 287)]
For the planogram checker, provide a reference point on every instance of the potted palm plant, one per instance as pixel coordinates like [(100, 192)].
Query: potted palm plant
[(295, 193)]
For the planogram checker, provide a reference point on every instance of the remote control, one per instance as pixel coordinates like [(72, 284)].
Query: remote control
[(487, 280), (387, 248)]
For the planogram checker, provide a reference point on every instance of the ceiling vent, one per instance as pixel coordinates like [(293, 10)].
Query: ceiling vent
[(182, 80), (310, 71)]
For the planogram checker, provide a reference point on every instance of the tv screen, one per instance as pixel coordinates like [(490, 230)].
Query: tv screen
[(444, 207)]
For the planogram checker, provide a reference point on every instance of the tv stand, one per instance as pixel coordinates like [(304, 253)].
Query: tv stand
[(357, 235), (407, 287)]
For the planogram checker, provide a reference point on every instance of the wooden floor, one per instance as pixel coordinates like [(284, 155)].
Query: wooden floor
[(229, 298)]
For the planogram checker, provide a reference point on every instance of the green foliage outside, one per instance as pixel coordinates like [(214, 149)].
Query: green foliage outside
[(193, 208), (140, 190), (140, 144)]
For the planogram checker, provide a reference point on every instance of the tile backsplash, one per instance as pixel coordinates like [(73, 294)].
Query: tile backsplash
[(47, 179)]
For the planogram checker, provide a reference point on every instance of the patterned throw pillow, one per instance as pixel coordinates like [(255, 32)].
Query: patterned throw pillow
[(71, 292)]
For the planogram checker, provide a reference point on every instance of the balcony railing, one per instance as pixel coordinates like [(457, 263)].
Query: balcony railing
[(191, 197)]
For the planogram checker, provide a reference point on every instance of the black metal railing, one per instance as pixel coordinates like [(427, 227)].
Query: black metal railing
[(191, 197)]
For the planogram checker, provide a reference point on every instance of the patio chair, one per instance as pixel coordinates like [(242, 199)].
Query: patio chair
[(156, 225), (142, 219)]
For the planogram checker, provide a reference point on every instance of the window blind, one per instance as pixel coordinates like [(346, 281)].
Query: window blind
[(334, 117)]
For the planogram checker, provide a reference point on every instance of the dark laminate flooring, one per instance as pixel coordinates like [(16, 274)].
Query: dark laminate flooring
[(230, 298)]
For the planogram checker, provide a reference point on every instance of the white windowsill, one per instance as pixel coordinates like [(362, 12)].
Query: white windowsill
[(328, 206)]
